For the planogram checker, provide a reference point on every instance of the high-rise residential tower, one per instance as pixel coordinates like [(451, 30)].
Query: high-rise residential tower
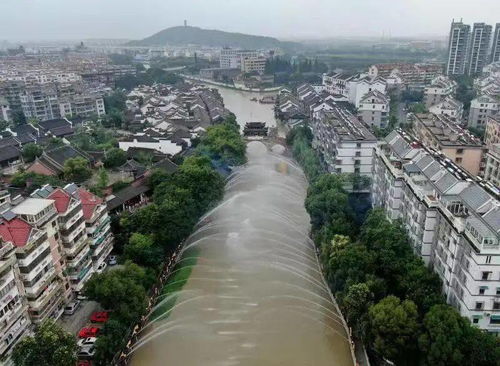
[(495, 50), (479, 47), (458, 48)]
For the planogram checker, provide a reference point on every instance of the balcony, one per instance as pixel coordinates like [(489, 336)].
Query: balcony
[(96, 229), (46, 295), (75, 262), (11, 336), (70, 249), (79, 273), (46, 279)]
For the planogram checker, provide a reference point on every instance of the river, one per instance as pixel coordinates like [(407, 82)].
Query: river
[(255, 296)]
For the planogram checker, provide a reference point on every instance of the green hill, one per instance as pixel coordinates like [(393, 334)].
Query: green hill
[(179, 36)]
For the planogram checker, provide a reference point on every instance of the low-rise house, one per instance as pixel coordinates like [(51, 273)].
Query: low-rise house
[(51, 162), (449, 107), (441, 87)]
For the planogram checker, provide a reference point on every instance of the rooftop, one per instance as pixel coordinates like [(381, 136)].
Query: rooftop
[(32, 206)]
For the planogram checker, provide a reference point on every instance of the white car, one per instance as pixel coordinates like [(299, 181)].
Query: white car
[(112, 260), (71, 307), (81, 297), (87, 351), (101, 267), (86, 342)]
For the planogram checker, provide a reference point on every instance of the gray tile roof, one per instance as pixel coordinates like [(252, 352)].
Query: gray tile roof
[(431, 170), (475, 196), (446, 182), (424, 161), (492, 218)]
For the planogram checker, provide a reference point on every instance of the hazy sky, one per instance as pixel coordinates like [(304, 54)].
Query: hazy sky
[(135, 19)]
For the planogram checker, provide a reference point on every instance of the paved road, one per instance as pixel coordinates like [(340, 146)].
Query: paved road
[(73, 323)]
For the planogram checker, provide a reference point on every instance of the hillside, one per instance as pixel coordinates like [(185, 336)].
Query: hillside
[(208, 37)]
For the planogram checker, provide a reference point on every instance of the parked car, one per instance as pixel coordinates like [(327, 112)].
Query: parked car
[(71, 307), (99, 317), (86, 341), (101, 267), (84, 363), (88, 332), (81, 297), (88, 351), (112, 260)]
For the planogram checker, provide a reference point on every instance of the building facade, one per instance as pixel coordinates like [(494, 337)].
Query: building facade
[(479, 48), (481, 109), (453, 223), (495, 49), (440, 88), (374, 109), (458, 49)]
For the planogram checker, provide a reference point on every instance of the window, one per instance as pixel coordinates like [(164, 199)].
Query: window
[(358, 153), (496, 306), (458, 160), (460, 151), (479, 305), (488, 259), (482, 291), (358, 145), (498, 290), (485, 276), (475, 320), (495, 320)]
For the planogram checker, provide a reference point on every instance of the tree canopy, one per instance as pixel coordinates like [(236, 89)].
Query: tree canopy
[(77, 170)]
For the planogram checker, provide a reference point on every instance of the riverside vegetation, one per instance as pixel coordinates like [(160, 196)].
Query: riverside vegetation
[(390, 299)]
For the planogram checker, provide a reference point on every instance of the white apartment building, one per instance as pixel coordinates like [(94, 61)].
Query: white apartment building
[(492, 141), (440, 88), (481, 108), (358, 88), (374, 109), (336, 83), (253, 64), (14, 318), (449, 107), (344, 142), (452, 222)]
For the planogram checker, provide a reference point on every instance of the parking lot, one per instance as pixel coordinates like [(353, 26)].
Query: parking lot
[(81, 317)]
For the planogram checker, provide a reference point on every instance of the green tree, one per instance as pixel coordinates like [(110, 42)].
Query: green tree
[(394, 327), (355, 305), (115, 157), (224, 142), (77, 170), (142, 250), (31, 152), (50, 345), (18, 117), (111, 340), (3, 125)]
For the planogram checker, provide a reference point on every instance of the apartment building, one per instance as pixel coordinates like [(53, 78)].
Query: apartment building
[(357, 88), (374, 109), (72, 235), (453, 223), (481, 108), (336, 83), (14, 318), (479, 48), (344, 142), (495, 49), (492, 141), (449, 107), (441, 133), (440, 88), (408, 74), (5, 112), (458, 48), (97, 223)]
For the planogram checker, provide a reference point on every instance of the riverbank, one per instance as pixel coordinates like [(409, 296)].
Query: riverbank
[(234, 87)]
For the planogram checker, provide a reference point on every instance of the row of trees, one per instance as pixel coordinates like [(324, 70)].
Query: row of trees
[(149, 77), (390, 299), (151, 234)]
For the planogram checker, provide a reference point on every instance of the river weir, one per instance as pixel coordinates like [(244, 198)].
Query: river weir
[(255, 295)]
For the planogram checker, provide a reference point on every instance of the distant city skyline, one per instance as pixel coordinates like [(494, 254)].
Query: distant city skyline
[(284, 19)]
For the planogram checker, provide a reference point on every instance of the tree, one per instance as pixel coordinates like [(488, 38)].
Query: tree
[(115, 157), (77, 170), (394, 328), (3, 125), (224, 142), (50, 345), (112, 339), (442, 342), (122, 291), (142, 250), (355, 305), (18, 117), (31, 152)]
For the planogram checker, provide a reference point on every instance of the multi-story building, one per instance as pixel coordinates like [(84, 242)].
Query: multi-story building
[(481, 108), (449, 107), (40, 259), (357, 88), (442, 134), (495, 49), (479, 48), (253, 64), (410, 75), (440, 88), (72, 235), (452, 222), (374, 109), (14, 318), (5, 112), (458, 49), (97, 223), (344, 142), (336, 83), (232, 58), (492, 141)]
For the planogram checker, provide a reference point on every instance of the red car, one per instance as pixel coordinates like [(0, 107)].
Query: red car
[(88, 332), (99, 317), (83, 363)]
